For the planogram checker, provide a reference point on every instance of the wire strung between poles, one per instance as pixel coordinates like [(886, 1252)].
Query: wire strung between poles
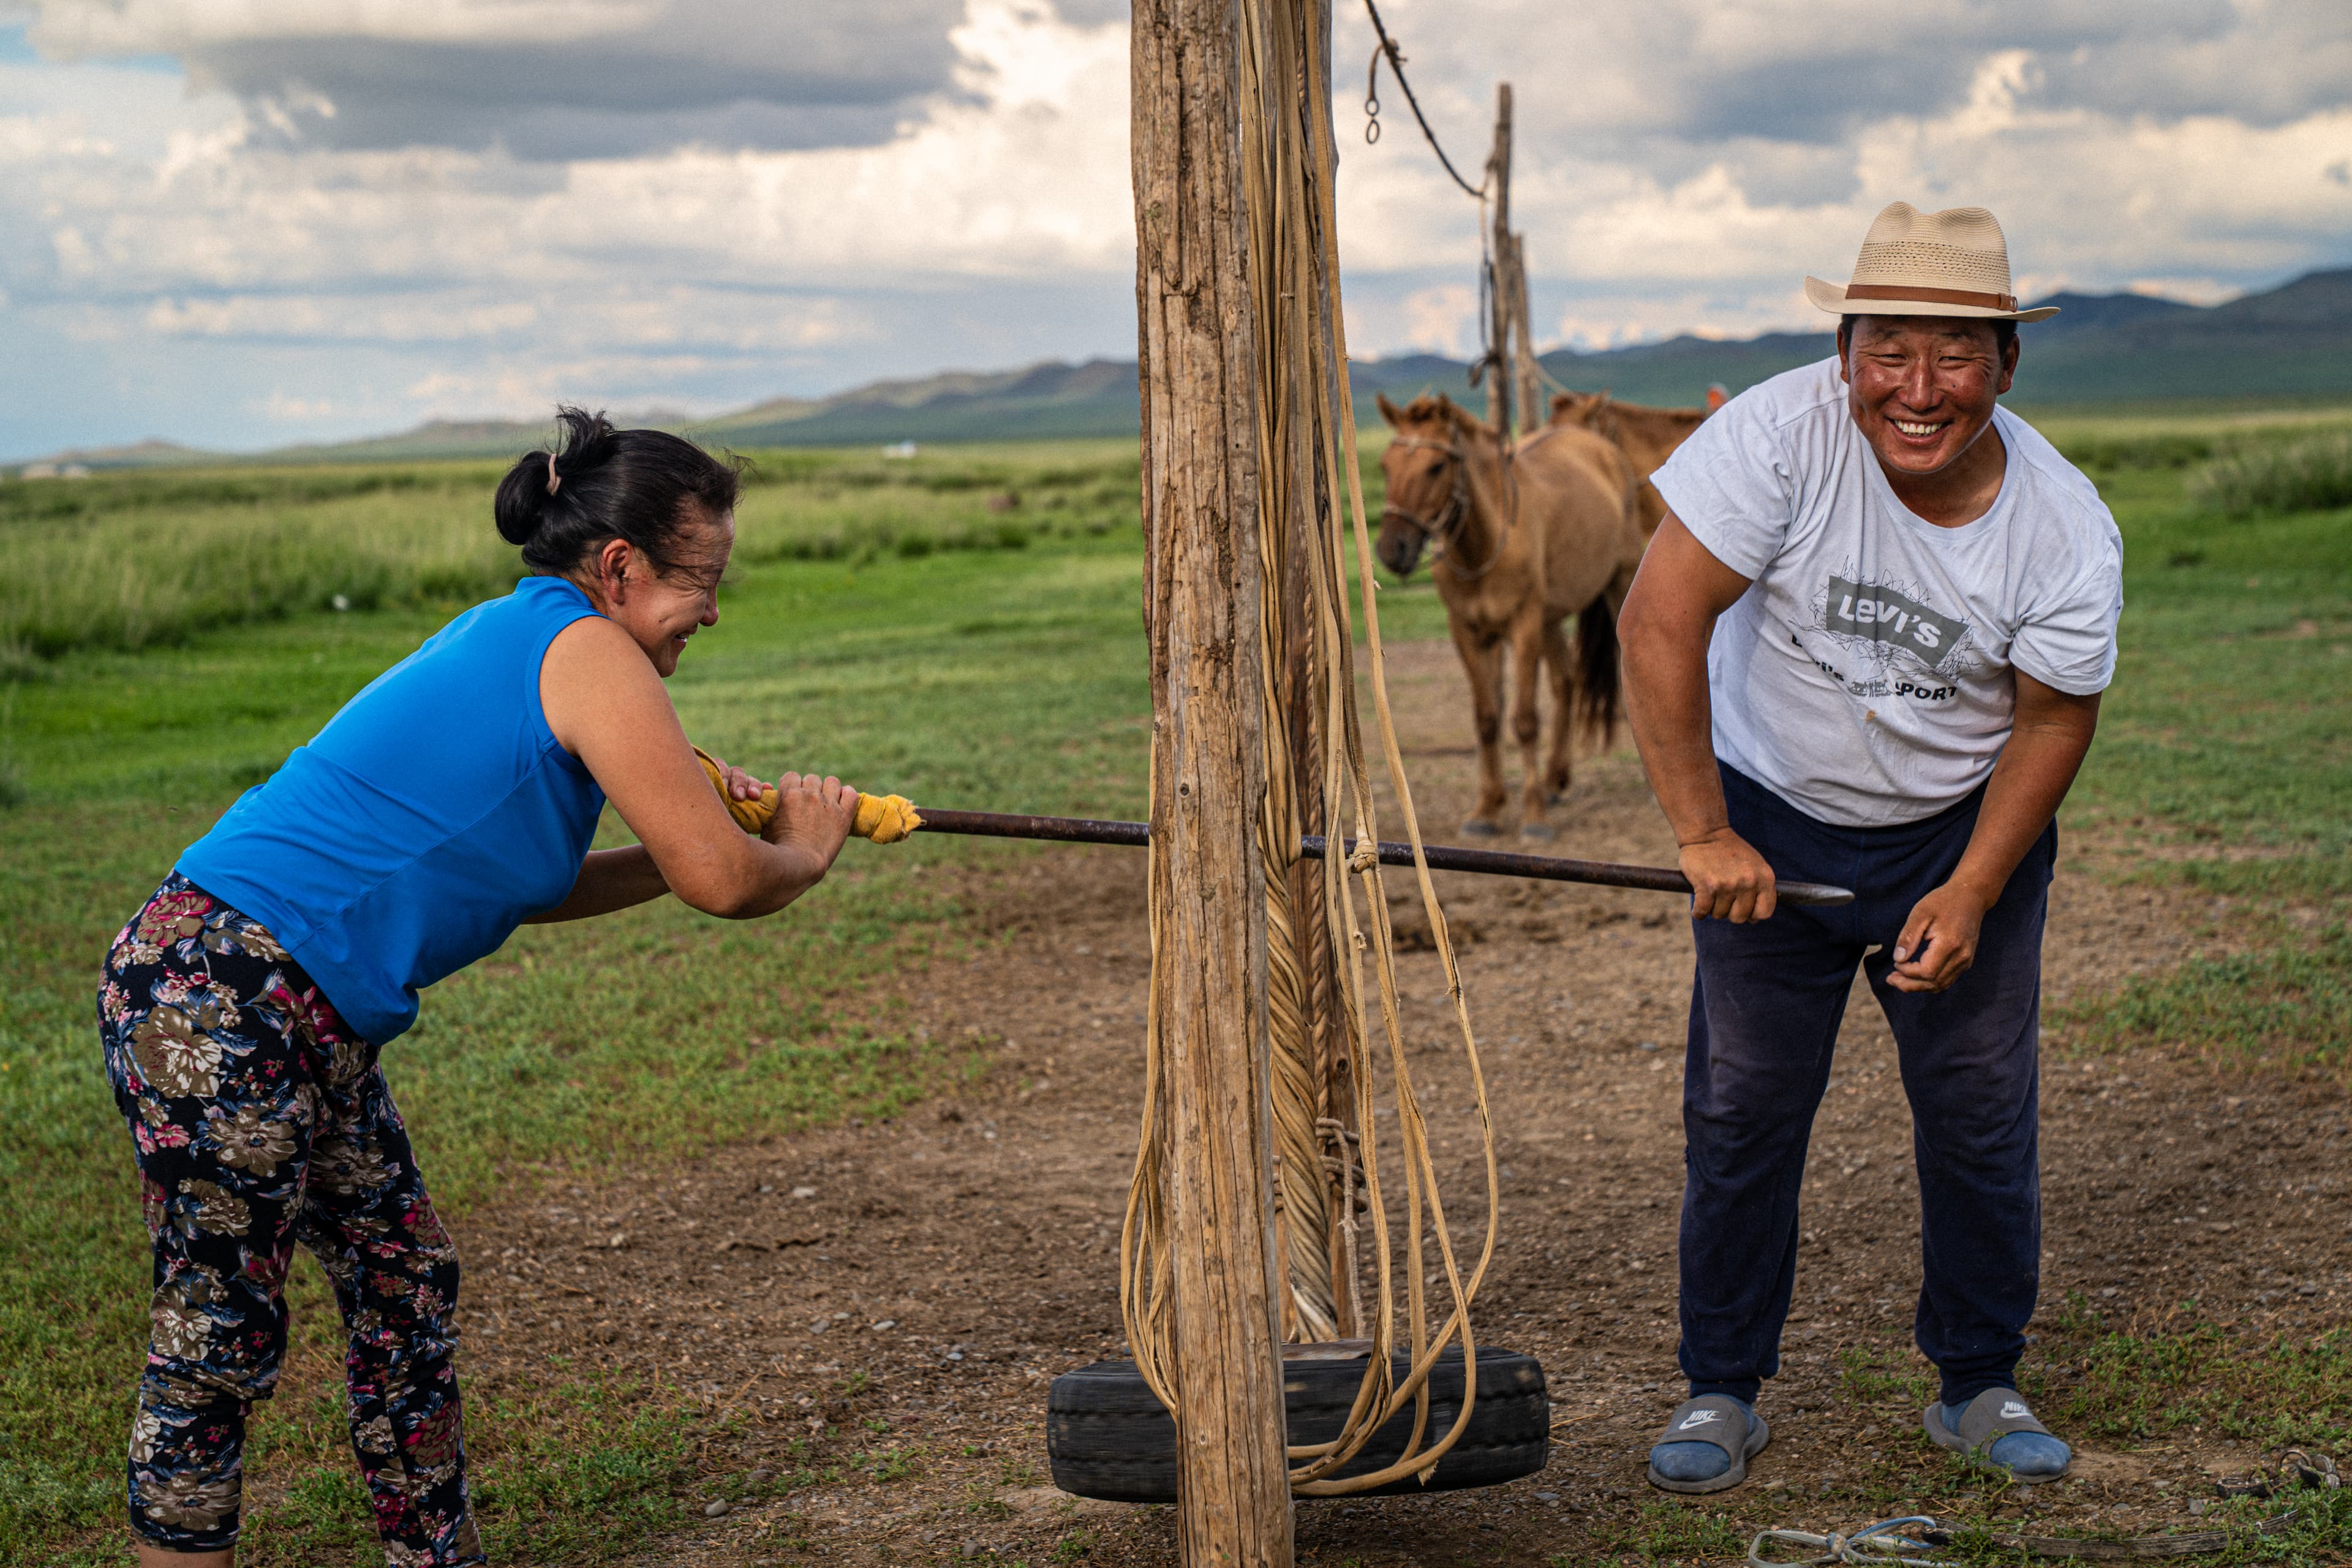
[(1388, 47), (1491, 353)]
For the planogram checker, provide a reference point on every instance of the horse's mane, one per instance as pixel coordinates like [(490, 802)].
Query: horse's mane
[(1595, 409), (1431, 407)]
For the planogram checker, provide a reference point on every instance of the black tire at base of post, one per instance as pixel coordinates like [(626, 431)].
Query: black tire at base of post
[(1108, 1437), (1440, 856)]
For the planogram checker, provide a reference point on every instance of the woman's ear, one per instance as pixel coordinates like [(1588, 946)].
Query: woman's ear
[(614, 559)]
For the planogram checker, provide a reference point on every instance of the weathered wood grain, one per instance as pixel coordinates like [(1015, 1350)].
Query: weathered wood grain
[(1200, 441)]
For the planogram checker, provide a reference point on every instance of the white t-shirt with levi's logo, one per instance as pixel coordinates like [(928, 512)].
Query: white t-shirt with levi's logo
[(1866, 677)]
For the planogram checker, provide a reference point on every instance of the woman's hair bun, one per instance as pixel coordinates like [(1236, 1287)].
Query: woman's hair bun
[(597, 483), (518, 512), (523, 506)]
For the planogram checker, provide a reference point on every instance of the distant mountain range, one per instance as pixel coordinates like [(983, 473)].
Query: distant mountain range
[(2293, 342)]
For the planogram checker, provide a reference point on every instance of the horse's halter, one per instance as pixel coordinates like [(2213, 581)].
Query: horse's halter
[(1442, 527)]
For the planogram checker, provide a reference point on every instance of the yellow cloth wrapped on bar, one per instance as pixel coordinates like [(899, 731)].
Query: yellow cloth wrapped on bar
[(884, 818)]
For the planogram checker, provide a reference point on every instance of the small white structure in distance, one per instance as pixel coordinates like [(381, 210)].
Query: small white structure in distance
[(899, 449)]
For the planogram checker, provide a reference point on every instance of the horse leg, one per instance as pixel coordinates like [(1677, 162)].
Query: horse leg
[(1600, 662), (1559, 668), (1527, 728), (1483, 659)]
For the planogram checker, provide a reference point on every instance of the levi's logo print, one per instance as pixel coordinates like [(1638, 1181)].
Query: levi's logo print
[(1888, 635), (1882, 614)]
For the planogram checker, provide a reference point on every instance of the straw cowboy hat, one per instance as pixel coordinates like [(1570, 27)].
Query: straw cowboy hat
[(1951, 263)]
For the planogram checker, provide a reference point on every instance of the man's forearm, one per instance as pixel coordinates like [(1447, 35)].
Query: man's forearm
[(1666, 702), (1667, 622), (2030, 781)]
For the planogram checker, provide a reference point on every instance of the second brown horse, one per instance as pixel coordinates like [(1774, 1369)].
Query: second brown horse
[(1521, 548), (1647, 436)]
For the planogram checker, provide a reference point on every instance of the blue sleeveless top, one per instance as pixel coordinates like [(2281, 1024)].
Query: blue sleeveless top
[(422, 824)]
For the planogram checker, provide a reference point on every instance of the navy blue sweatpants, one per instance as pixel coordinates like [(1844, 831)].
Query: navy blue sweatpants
[(1765, 1010)]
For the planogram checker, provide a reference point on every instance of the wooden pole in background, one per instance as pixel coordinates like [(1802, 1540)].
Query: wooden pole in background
[(1200, 487), (1532, 412), (1498, 304), (1514, 369)]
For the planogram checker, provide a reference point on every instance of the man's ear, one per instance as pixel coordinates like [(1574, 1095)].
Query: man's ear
[(2008, 366)]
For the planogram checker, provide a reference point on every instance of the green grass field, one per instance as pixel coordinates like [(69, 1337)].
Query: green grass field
[(962, 627)]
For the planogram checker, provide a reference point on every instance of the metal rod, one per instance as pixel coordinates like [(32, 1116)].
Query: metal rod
[(1012, 825), (1441, 857)]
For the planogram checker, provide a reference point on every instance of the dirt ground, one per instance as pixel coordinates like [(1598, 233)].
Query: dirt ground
[(883, 1306)]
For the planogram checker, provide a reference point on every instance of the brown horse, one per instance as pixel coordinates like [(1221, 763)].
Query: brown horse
[(1647, 436), (1519, 550)]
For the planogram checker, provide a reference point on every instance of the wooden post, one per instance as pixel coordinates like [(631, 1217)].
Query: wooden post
[(1514, 369), (1498, 303), (1523, 354), (1200, 488)]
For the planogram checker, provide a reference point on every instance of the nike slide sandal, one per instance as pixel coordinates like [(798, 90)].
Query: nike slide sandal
[(1719, 1419), (1989, 1418)]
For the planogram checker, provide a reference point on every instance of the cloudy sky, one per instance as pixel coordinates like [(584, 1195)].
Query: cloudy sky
[(240, 223)]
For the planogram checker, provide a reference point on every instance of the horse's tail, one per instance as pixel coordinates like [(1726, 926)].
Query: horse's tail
[(1596, 670)]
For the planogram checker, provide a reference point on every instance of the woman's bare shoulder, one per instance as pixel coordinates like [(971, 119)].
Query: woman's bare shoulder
[(594, 676)]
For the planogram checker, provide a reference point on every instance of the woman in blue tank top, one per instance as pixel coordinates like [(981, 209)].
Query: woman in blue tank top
[(243, 1007)]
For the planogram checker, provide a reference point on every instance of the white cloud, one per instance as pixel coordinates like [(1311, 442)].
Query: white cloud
[(1442, 319), (1640, 77), (1030, 178), (694, 275), (314, 317), (76, 29), (1027, 173), (2197, 205), (544, 80)]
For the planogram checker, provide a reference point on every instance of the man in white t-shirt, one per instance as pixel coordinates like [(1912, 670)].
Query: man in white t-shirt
[(1866, 647)]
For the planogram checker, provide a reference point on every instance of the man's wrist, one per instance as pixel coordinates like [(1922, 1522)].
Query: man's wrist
[(1977, 886), (1719, 833)]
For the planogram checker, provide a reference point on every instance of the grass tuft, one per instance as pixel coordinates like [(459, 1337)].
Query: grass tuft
[(127, 561), (2287, 1004), (158, 576), (1675, 1532), (2111, 453), (2312, 474), (2190, 1375), (2315, 1528)]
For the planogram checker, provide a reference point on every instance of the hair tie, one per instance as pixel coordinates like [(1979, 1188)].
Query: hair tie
[(554, 478)]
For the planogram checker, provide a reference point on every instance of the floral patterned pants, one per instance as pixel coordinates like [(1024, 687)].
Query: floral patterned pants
[(261, 1121)]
